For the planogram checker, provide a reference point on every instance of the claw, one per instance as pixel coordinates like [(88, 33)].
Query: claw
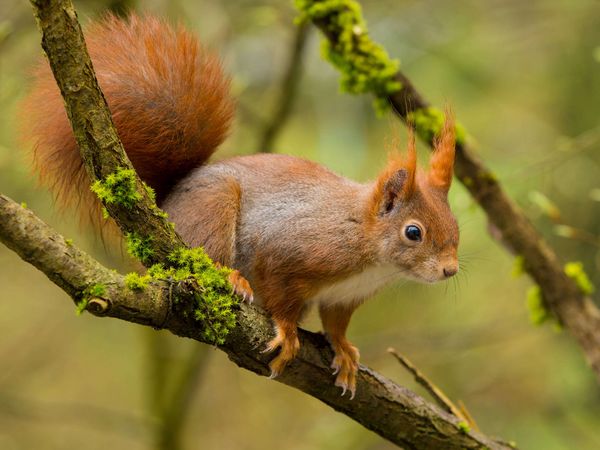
[(289, 345), (273, 345), (345, 365), (241, 287), (268, 349), (336, 367)]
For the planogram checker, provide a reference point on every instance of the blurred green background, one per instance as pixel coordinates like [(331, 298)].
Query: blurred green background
[(523, 77)]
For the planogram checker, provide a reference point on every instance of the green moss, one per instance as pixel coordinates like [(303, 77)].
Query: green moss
[(467, 181), (518, 266), (137, 282), (214, 306), (575, 271), (139, 247), (364, 65), (464, 427), (95, 290), (150, 192), (23, 205), (69, 242), (92, 291), (428, 123), (538, 313), (119, 188), (81, 306)]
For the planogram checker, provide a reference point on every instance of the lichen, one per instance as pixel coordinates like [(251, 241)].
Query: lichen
[(429, 122), (364, 65), (139, 246), (118, 188), (575, 271)]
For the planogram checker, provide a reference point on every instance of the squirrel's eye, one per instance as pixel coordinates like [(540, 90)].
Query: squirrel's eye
[(413, 233)]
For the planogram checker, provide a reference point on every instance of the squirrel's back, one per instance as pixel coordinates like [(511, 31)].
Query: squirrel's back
[(168, 96)]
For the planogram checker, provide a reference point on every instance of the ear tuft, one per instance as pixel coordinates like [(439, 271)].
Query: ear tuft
[(441, 165)]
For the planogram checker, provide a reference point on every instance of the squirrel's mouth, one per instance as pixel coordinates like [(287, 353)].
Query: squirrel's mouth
[(421, 278)]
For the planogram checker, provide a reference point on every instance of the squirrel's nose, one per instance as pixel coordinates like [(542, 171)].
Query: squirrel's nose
[(450, 271)]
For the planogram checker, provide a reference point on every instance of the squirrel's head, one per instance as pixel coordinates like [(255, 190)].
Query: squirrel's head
[(409, 208)]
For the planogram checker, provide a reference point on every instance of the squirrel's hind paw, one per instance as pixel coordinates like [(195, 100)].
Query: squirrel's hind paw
[(289, 345), (345, 365)]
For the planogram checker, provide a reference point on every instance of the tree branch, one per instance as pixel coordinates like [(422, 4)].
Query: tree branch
[(575, 311), (95, 133), (380, 405)]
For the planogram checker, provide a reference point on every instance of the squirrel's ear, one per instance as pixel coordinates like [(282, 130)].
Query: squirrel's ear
[(397, 182), (441, 165)]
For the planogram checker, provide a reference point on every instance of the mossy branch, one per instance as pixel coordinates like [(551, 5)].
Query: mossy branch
[(124, 196), (391, 411), (150, 237), (352, 51)]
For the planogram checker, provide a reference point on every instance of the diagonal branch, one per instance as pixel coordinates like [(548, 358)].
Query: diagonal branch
[(576, 311), (391, 411), (95, 133)]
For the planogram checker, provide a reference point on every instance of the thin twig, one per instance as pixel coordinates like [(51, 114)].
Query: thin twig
[(436, 393)]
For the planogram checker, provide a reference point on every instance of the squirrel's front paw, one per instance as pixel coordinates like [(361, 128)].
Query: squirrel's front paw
[(345, 365), (289, 345), (241, 286)]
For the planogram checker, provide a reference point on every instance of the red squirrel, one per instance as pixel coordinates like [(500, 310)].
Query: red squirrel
[(297, 232)]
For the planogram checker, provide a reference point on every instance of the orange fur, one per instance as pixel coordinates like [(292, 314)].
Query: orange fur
[(335, 321), (168, 96), (441, 165)]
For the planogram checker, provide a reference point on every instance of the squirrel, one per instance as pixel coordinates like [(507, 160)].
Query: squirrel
[(298, 233)]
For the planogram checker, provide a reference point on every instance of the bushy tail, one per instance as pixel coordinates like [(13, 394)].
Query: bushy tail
[(168, 96)]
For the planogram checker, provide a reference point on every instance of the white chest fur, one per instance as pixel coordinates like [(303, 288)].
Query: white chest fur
[(357, 287)]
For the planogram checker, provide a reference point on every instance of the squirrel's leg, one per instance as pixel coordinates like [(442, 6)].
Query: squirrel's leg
[(335, 319), (286, 338), (208, 217)]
